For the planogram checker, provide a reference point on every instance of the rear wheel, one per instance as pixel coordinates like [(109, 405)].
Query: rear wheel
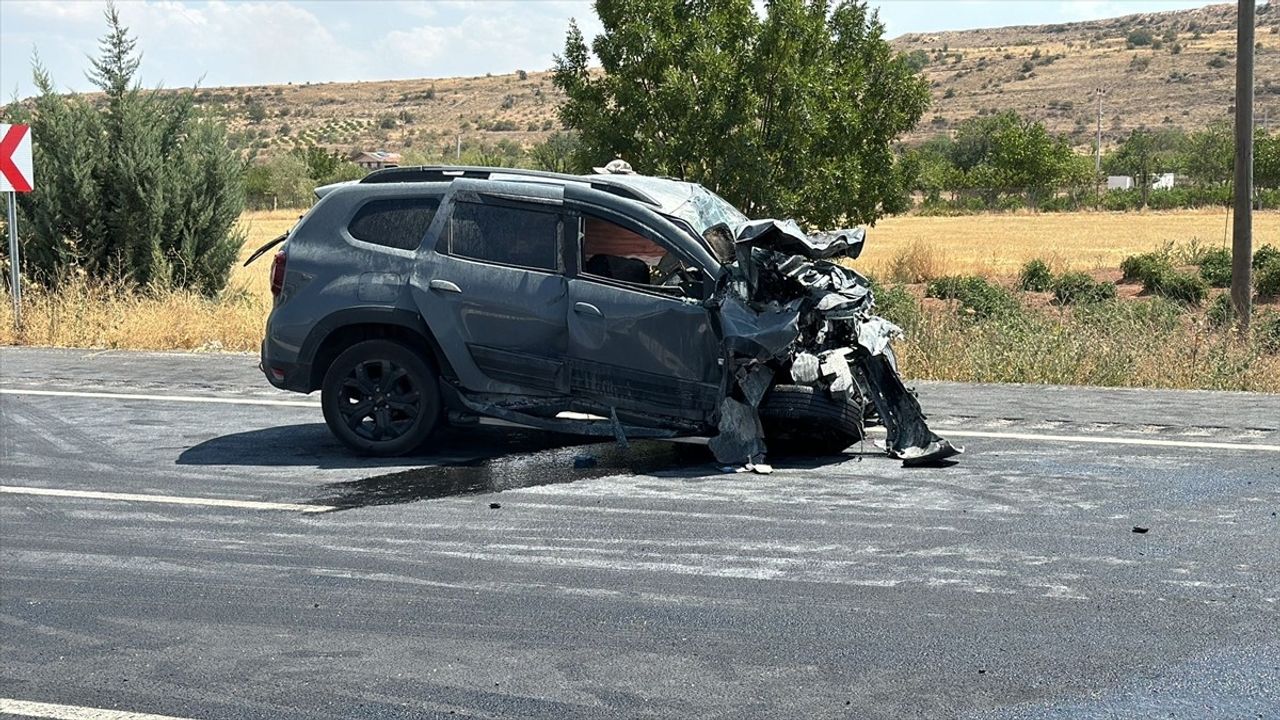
[(381, 398), (801, 420)]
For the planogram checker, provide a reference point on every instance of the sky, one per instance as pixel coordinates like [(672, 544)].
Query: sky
[(255, 42)]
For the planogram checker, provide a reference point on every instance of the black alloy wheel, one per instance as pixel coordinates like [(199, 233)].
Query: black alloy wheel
[(381, 398)]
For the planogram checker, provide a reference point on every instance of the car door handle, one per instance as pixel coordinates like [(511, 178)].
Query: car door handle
[(583, 308), (444, 286)]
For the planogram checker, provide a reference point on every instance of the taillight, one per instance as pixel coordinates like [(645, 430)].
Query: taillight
[(277, 273)]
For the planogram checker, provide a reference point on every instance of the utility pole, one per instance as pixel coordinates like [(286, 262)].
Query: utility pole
[(1097, 151), (1242, 229)]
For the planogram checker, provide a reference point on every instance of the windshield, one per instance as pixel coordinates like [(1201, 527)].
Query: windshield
[(703, 209)]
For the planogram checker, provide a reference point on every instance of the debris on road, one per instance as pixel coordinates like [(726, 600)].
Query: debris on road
[(1140, 530)]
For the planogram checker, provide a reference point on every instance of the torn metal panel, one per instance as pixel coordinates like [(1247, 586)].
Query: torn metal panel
[(784, 305), (786, 236), (754, 382), (804, 368), (740, 439), (760, 334), (909, 436)]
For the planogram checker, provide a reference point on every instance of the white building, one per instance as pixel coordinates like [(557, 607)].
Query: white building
[(1163, 181), (377, 160), (1119, 182)]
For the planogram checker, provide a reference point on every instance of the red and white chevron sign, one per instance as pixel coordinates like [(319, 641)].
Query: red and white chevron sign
[(16, 173)]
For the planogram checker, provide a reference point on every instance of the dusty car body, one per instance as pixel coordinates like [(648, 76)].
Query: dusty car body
[(615, 304)]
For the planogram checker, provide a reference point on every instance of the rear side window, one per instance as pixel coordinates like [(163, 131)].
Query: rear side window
[(507, 235), (397, 222)]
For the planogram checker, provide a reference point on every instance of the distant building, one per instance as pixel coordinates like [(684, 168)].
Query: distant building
[(1119, 182), (1163, 181), (377, 159)]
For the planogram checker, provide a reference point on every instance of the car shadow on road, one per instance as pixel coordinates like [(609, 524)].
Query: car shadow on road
[(462, 461), (519, 469), (312, 445)]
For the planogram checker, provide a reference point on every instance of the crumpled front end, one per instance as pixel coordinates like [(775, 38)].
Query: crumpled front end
[(788, 312)]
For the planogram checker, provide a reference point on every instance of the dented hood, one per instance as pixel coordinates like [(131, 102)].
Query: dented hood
[(786, 236)]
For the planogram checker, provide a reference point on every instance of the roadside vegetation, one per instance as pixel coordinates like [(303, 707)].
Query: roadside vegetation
[(1014, 335), (1103, 298), (1003, 162)]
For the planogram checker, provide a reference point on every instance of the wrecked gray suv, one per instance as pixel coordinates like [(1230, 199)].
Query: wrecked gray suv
[(611, 304)]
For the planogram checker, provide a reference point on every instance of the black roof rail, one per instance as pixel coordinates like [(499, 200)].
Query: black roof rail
[(446, 173)]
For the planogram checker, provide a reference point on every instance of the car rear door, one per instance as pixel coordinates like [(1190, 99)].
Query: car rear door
[(490, 283), (635, 344)]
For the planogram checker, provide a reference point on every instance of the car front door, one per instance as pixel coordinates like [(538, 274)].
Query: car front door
[(639, 337), (490, 283)]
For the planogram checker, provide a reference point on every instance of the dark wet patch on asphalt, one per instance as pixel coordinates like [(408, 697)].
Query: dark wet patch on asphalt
[(548, 466)]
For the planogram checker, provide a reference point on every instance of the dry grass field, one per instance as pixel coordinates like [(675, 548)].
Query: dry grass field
[(996, 245), (93, 315)]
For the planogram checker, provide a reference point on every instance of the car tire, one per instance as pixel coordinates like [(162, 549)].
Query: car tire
[(801, 420), (381, 398)]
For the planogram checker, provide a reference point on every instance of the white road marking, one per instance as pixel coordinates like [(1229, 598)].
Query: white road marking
[(1033, 437), (26, 708), (1103, 440), (162, 398), (170, 499)]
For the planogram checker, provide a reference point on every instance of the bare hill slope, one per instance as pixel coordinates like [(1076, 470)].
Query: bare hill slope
[(1172, 68)]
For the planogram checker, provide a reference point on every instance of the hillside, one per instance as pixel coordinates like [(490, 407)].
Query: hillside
[(1173, 68), (418, 117)]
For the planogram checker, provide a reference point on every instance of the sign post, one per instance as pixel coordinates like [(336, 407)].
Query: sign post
[(15, 176)]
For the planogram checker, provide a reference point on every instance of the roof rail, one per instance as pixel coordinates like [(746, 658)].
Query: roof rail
[(446, 173)]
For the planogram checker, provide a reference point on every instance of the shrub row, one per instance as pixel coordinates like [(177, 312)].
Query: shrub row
[(1156, 272), (976, 295)]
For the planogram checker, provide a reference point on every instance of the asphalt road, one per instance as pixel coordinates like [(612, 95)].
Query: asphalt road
[(492, 578)]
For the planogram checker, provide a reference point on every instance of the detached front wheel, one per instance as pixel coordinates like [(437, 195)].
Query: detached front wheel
[(381, 398), (801, 420)]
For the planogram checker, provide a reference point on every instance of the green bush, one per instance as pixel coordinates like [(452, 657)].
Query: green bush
[(1266, 281), (1145, 267), (1215, 267), (1079, 288), (1121, 200), (1266, 331), (978, 297), (1035, 276), (1221, 313), (897, 304), (1176, 286), (1139, 37), (1263, 255)]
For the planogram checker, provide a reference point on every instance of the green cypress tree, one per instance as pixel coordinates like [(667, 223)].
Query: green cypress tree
[(138, 185)]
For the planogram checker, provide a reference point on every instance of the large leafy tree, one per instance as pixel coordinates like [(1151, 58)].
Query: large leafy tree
[(787, 114), (1209, 154), (1000, 154), (1266, 159), (133, 184)]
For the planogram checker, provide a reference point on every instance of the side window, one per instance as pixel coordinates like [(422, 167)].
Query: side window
[(611, 251), (507, 235), (396, 222)]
